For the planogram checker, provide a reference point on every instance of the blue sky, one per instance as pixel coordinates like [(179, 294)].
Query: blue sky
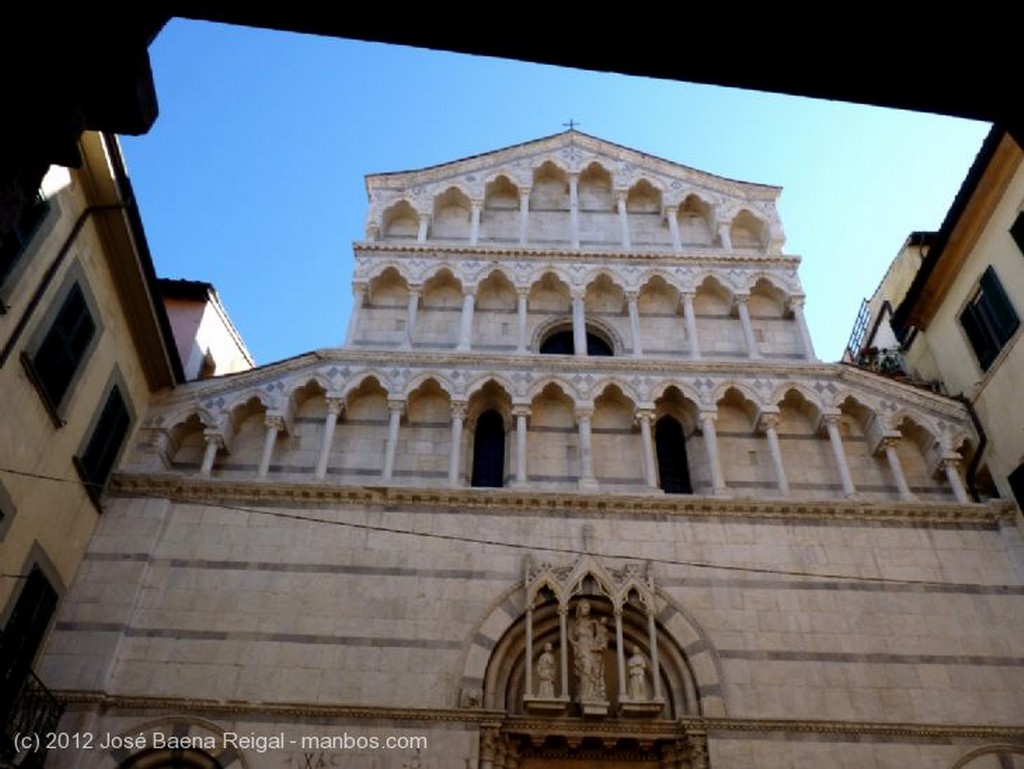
[(252, 177)]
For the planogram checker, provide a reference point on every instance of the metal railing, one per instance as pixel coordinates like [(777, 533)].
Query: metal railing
[(34, 711)]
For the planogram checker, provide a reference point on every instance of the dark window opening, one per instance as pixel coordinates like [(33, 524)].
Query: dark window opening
[(673, 467), (989, 319), (1017, 231), (23, 635), (65, 345), (489, 451), (1017, 485), (14, 242), (111, 429), (563, 343)]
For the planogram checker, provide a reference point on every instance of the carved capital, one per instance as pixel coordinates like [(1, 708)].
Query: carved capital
[(458, 409), (335, 404), (770, 420), (396, 405), (632, 295), (521, 411), (274, 421), (584, 413)]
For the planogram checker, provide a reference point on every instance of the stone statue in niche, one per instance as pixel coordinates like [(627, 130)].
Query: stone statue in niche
[(637, 666), (589, 639), (546, 674)]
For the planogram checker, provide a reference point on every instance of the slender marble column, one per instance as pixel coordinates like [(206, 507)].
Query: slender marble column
[(797, 306), (410, 314), (691, 324), (520, 413), (529, 652), (334, 409), (620, 202), (748, 329), (579, 323), (214, 441), (645, 416), (474, 222), (358, 297), (563, 647), (587, 479), (724, 236), (521, 310), (951, 465), (574, 210), (524, 215), (455, 454), (620, 656), (396, 408), (421, 235), (707, 419), (672, 214), (652, 630), (634, 323), (274, 423), (889, 444), (769, 422), (832, 425), (466, 322)]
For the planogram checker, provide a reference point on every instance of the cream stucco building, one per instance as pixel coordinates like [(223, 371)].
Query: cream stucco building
[(575, 490)]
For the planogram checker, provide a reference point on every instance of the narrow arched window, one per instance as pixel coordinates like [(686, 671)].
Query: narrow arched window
[(673, 469), (489, 451)]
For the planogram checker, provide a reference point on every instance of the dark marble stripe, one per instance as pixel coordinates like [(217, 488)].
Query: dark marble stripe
[(873, 658)]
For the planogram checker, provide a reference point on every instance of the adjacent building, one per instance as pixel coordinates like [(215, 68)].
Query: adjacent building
[(575, 490), (949, 312), (84, 342)]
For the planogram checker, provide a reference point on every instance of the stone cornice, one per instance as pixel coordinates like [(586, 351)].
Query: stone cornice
[(666, 257), (519, 501), (518, 153), (498, 719)]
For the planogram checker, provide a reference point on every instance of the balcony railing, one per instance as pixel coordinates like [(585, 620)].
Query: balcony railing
[(33, 711), (891, 363)]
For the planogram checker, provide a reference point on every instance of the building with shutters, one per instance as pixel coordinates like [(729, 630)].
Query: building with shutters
[(84, 342), (575, 490), (948, 312)]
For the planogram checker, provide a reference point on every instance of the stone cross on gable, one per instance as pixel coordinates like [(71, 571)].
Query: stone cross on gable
[(571, 124)]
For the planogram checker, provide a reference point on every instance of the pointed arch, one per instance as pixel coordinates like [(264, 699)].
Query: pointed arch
[(748, 230), (370, 377), (696, 221), (452, 211), (400, 220)]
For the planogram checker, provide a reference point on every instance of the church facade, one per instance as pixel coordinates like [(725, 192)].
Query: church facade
[(575, 491)]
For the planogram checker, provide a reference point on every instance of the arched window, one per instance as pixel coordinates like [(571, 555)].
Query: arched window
[(562, 343), (673, 469), (489, 451)]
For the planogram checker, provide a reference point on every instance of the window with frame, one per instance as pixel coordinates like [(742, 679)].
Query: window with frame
[(989, 319), (23, 635), (64, 347), (97, 461), (1017, 231), (13, 243)]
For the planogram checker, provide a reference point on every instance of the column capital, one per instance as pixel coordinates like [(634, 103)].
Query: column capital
[(524, 192), (415, 289), (621, 195), (632, 295), (476, 203), (796, 302), (563, 609), (523, 291), (469, 289), (458, 409), (708, 417), (670, 210), (889, 440), (769, 419), (215, 437), (953, 460), (521, 410), (645, 413), (335, 404), (274, 421), (578, 292), (830, 417), (688, 295), (584, 412), (424, 217), (741, 298), (359, 288), (396, 405)]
